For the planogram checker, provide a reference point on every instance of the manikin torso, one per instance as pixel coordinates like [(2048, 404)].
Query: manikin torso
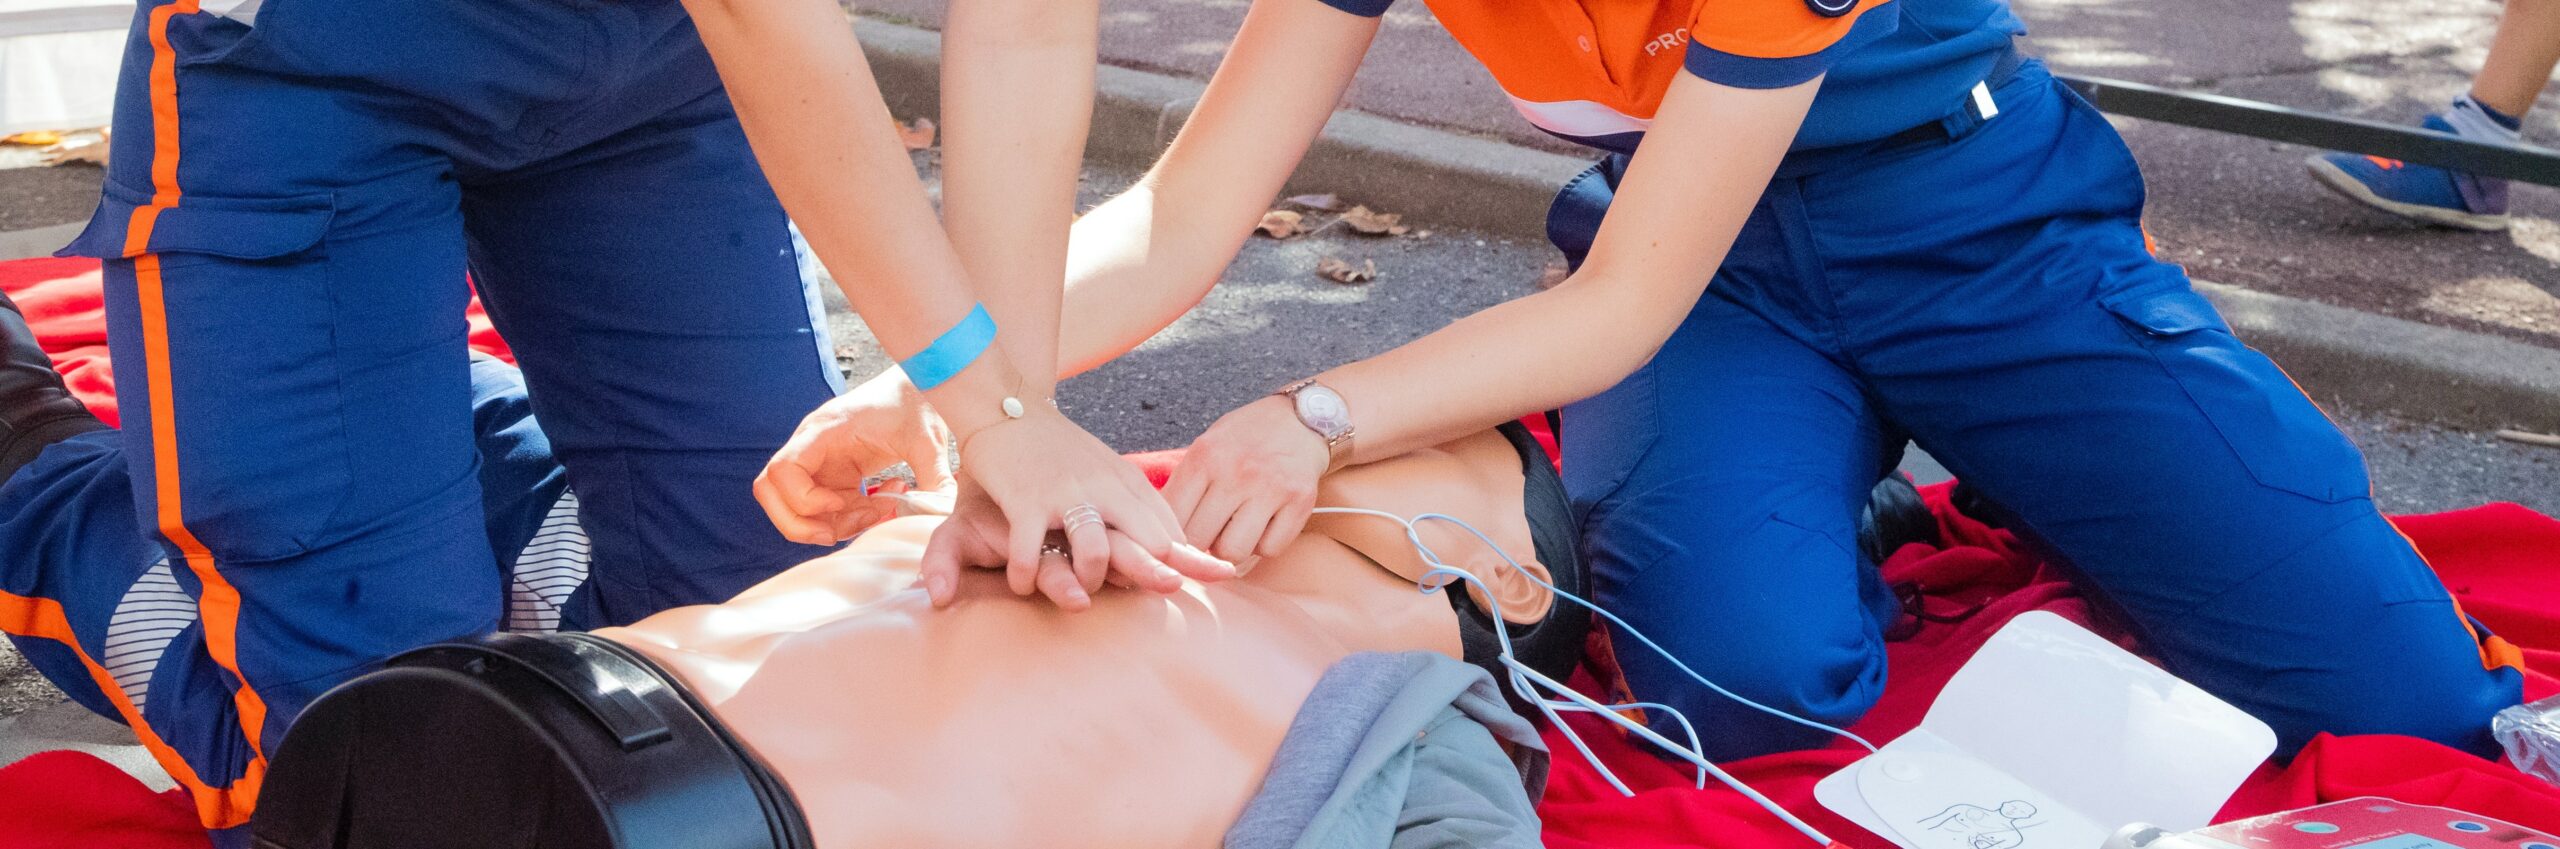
[(1146, 721)]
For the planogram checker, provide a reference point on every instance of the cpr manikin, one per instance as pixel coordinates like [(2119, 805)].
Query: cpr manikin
[(1146, 721)]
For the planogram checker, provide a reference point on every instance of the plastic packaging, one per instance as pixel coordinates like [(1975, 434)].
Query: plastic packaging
[(2531, 734)]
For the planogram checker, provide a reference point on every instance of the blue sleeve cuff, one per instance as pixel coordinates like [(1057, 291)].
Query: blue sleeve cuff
[(1363, 8), (1717, 66)]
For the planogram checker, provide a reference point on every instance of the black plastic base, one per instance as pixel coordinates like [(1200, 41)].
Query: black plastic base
[(513, 741)]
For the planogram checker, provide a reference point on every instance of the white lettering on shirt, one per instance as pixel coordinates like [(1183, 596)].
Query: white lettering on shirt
[(1667, 41)]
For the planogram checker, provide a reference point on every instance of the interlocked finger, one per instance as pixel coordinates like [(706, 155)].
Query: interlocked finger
[(1089, 537), (1058, 581)]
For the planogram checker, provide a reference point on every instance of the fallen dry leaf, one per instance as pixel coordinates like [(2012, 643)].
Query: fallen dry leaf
[(1370, 222), (1555, 272), (1319, 203), (917, 134), (1282, 224), (1336, 270), (94, 153)]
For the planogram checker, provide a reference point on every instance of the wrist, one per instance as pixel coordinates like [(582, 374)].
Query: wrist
[(1323, 414), (891, 384), (1327, 461), (984, 395), (1009, 411)]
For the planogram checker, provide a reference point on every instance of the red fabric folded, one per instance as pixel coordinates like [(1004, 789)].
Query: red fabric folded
[(58, 800), (61, 300)]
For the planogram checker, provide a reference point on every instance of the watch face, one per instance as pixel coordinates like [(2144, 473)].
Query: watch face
[(1323, 410)]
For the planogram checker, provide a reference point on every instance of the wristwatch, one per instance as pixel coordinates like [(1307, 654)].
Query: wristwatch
[(1322, 410)]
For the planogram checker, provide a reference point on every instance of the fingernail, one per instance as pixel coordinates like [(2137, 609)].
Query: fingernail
[(1166, 575)]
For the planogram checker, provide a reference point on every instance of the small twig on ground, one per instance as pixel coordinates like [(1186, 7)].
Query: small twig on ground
[(2530, 438)]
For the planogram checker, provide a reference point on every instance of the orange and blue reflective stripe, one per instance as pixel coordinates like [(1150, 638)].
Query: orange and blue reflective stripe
[(218, 602), (43, 619), (2495, 651)]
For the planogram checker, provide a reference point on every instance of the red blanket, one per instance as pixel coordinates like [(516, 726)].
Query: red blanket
[(2502, 560), (63, 304)]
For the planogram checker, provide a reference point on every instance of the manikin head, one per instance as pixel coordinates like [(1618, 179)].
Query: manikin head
[(1542, 556)]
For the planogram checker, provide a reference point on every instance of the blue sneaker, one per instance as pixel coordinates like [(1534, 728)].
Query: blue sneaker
[(2423, 192)]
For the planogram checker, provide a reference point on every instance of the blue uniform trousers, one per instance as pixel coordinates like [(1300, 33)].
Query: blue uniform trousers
[(288, 220), (1989, 296), (89, 597)]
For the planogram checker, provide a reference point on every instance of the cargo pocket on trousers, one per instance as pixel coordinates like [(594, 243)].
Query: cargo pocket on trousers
[(262, 481), (204, 226), (2283, 440)]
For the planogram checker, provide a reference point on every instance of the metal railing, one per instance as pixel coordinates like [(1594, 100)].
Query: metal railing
[(2277, 123)]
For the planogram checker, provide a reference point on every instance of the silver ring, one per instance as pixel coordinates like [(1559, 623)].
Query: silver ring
[(1082, 515)]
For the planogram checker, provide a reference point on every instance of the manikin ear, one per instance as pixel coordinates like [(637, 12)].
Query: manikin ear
[(1522, 601)]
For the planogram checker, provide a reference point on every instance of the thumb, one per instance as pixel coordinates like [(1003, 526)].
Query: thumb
[(1022, 549), (939, 569), (802, 492)]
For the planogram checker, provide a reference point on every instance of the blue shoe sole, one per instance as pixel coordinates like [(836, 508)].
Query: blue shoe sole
[(2339, 181)]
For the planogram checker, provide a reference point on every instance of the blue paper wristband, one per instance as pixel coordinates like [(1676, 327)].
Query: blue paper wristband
[(953, 351)]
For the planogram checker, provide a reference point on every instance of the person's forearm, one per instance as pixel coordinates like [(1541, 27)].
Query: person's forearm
[(813, 114), (1017, 96), (1135, 267), (1536, 353), (1684, 198), (1139, 261)]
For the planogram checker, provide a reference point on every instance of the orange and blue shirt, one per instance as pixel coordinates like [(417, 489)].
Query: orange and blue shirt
[(1593, 71)]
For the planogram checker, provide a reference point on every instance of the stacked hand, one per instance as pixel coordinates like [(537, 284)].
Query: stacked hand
[(1025, 481), (1037, 473), (1248, 483)]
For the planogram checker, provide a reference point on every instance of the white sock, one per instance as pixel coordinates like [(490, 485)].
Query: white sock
[(2470, 122)]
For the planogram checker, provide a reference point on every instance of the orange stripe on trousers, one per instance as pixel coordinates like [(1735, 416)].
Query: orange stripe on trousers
[(219, 602), (2495, 651), (42, 618)]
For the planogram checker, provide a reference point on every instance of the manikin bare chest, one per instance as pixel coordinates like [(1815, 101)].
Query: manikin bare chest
[(1147, 721)]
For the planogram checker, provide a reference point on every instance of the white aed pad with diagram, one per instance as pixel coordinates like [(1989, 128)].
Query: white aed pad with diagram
[(2051, 738)]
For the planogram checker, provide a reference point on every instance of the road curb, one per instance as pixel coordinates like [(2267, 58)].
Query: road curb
[(2419, 370), (1448, 179), (41, 241)]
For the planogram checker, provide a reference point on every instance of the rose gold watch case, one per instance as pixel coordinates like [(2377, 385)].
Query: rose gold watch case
[(1323, 411)]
